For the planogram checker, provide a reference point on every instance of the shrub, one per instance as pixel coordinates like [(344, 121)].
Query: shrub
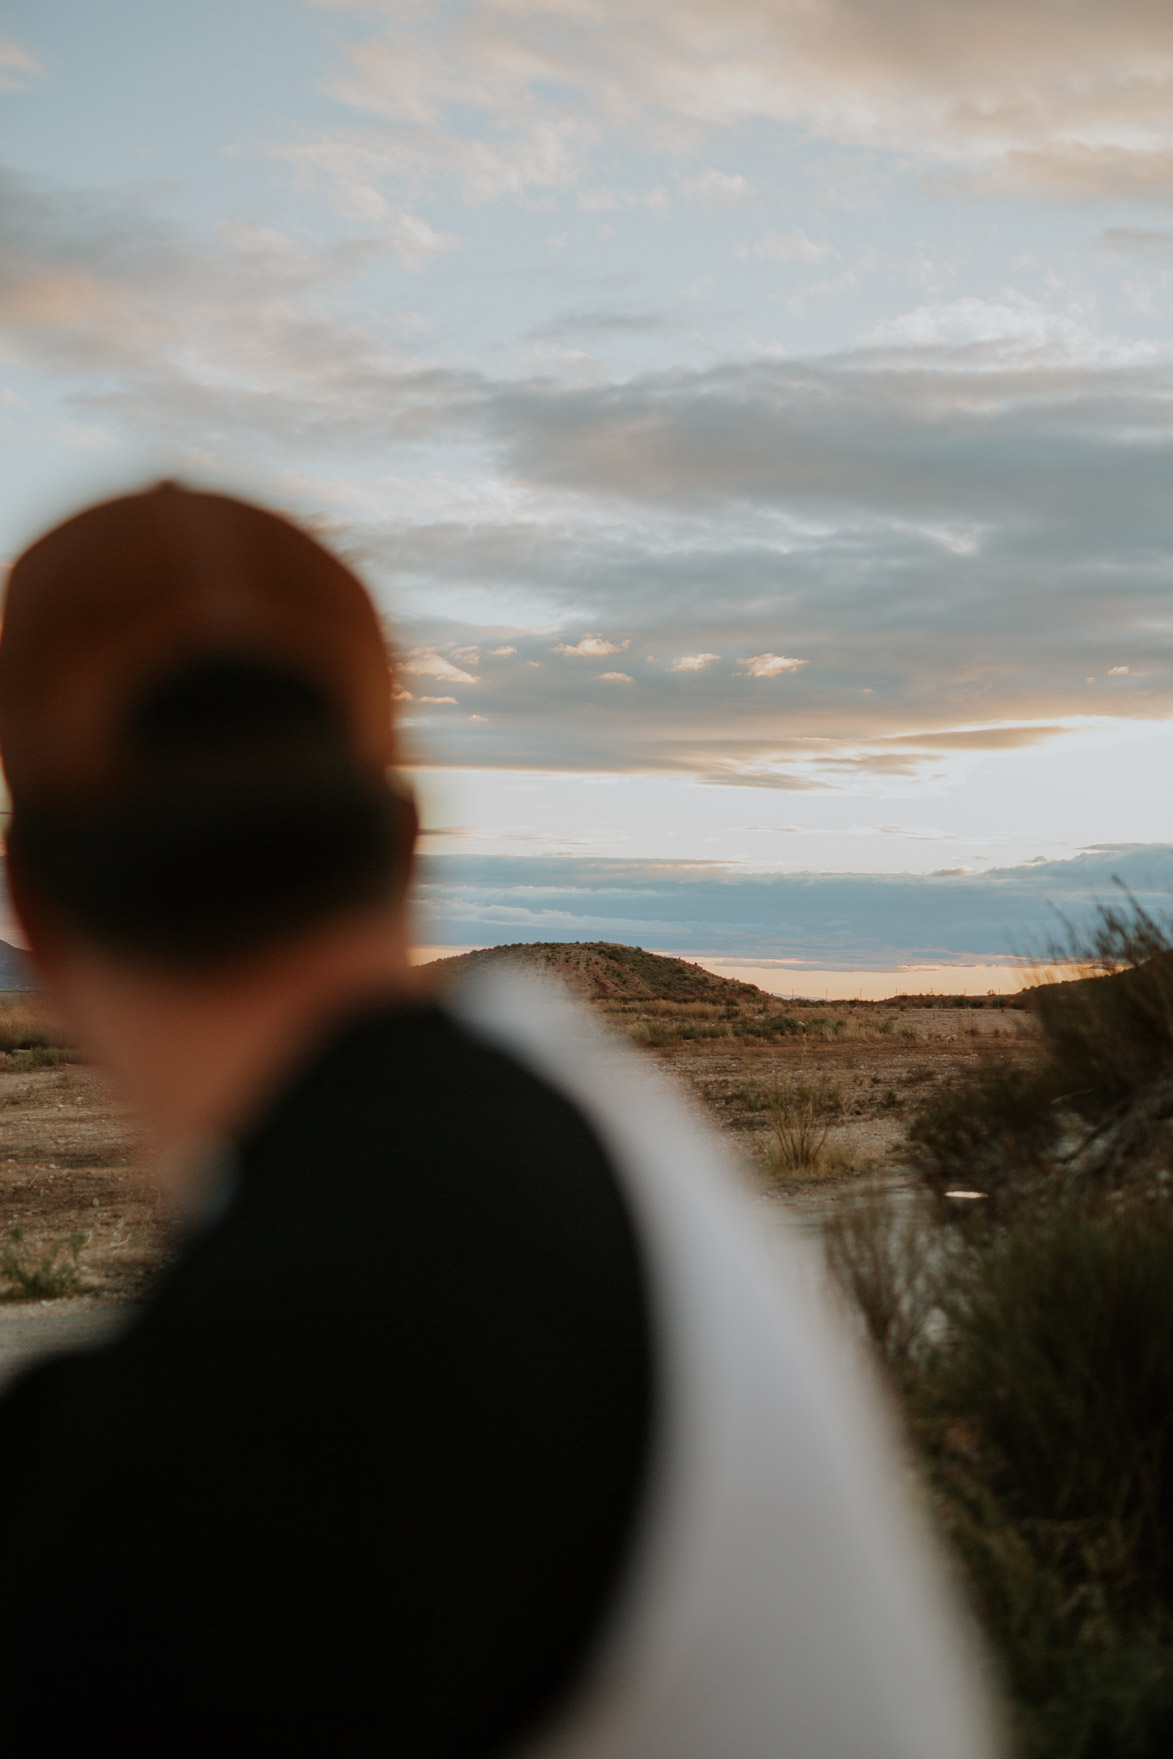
[(889, 1260), (654, 1032), (992, 1130), (1033, 1350), (774, 1026), (1092, 1104), (40, 1056)]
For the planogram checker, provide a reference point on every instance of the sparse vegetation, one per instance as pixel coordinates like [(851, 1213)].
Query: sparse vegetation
[(1023, 1307), (56, 1273), (1093, 1104), (1034, 1360)]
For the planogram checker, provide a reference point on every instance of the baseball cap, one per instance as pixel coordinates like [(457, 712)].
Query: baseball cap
[(123, 594)]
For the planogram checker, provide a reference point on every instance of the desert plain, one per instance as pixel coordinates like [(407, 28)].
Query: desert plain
[(72, 1162)]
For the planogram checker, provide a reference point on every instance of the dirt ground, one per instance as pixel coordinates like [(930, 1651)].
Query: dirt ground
[(71, 1162), (883, 1075)]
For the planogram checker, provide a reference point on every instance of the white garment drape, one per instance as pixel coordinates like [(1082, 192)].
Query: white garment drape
[(783, 1599)]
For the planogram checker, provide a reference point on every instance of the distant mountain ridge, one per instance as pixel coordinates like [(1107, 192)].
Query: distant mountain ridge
[(606, 969)]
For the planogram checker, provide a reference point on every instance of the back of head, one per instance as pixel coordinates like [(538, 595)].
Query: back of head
[(195, 725)]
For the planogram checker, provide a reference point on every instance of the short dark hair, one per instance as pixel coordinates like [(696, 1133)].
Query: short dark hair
[(245, 820)]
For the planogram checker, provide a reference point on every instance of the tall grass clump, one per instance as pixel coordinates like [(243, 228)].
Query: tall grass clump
[(800, 1118), (1028, 1333)]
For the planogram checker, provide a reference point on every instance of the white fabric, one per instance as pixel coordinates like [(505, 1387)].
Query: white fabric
[(783, 1600)]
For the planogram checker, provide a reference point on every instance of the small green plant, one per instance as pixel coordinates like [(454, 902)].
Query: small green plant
[(39, 1056), (56, 1274)]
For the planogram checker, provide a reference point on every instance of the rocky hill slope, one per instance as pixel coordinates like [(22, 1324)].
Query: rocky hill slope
[(604, 970)]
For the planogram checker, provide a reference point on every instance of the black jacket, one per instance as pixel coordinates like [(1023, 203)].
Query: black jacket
[(360, 1476)]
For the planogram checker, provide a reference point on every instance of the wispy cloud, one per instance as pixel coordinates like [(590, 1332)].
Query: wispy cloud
[(717, 189), (1028, 95), (17, 66), (1138, 241), (788, 247)]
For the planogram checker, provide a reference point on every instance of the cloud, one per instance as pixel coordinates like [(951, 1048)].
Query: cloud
[(788, 247), (604, 323), (979, 738), (608, 201), (424, 662), (616, 677), (1137, 241), (591, 647), (414, 242), (693, 662), (817, 921), (360, 167), (1019, 95), (437, 699), (17, 66), (928, 523), (768, 665), (1119, 671), (717, 189), (1010, 316)]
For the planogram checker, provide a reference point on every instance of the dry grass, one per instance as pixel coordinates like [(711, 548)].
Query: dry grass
[(23, 1027)]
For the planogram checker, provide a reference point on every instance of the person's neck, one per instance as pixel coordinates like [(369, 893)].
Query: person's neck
[(197, 1056)]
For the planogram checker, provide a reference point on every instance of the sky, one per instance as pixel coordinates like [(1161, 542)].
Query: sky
[(754, 418)]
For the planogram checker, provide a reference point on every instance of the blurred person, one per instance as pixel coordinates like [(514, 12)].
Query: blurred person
[(472, 1416)]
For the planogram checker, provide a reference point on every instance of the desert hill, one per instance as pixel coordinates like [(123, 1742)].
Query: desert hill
[(605, 970)]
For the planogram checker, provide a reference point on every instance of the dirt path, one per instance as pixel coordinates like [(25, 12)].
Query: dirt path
[(29, 1331)]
